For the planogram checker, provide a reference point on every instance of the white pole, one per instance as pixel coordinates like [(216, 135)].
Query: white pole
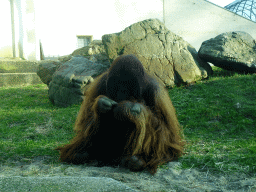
[(13, 29)]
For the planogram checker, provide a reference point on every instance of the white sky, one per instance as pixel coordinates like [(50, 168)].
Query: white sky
[(221, 3)]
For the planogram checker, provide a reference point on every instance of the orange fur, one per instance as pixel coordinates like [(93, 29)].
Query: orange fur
[(154, 135)]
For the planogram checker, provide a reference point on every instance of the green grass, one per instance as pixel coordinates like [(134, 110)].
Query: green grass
[(30, 125), (218, 116)]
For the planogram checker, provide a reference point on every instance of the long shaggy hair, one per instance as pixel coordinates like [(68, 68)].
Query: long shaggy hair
[(153, 135)]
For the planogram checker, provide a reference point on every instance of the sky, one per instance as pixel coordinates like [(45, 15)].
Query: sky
[(221, 3)]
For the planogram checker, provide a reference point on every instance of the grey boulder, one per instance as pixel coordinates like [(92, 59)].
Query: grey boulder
[(69, 81), (46, 70), (234, 51), (162, 53)]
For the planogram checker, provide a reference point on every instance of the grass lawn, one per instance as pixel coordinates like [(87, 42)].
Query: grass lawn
[(218, 116)]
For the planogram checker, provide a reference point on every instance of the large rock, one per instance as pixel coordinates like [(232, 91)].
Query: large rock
[(46, 69), (68, 82), (95, 52), (234, 51), (162, 53)]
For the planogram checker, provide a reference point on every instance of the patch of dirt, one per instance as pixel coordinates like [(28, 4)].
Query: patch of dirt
[(172, 178)]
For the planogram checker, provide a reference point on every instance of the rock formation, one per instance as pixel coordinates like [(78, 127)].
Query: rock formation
[(46, 70), (234, 51), (94, 52), (162, 53), (69, 81)]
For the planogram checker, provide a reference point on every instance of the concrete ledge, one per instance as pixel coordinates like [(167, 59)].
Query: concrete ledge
[(63, 184), (16, 79), (18, 66)]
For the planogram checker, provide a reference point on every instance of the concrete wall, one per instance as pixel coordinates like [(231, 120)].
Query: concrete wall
[(26, 42), (6, 32), (31, 41), (200, 20), (57, 23)]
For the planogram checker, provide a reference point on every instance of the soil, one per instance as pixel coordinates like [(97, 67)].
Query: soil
[(171, 178)]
